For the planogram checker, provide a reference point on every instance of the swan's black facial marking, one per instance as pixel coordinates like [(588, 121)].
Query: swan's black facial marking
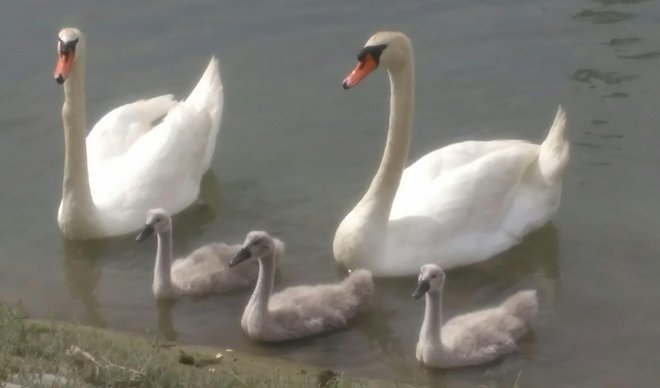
[(375, 51), (67, 48), (66, 53)]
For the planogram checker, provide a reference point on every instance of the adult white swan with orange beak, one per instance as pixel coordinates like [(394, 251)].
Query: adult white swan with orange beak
[(458, 205), (146, 154)]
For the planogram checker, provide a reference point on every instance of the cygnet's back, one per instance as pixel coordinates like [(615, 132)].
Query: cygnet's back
[(206, 270), (345, 299), (484, 335)]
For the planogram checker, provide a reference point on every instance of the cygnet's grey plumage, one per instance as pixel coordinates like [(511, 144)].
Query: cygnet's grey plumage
[(206, 270), (470, 339), (301, 311)]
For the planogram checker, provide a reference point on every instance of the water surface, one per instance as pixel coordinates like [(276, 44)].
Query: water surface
[(296, 152)]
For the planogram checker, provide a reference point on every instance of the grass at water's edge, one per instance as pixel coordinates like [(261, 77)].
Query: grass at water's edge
[(84, 356)]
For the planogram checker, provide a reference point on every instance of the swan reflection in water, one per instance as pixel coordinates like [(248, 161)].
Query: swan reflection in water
[(82, 275)]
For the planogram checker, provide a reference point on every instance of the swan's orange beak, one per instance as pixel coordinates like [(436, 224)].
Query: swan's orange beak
[(361, 71), (63, 67)]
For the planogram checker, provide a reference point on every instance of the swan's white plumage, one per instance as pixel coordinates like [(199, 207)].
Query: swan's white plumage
[(460, 204), (149, 153), (162, 168), (473, 338), (121, 127)]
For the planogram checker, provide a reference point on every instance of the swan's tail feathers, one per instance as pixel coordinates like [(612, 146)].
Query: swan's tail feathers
[(208, 96), (360, 284), (523, 304), (554, 156)]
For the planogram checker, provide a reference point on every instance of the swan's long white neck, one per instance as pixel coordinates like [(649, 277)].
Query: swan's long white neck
[(384, 186), (77, 210), (432, 325), (162, 286), (362, 234)]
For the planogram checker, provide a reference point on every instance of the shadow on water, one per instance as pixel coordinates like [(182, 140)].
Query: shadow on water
[(531, 264), (192, 221)]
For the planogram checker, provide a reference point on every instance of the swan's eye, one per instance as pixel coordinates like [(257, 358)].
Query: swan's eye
[(433, 276)]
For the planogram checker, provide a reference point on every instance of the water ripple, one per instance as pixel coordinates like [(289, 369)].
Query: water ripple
[(613, 2), (648, 55), (616, 95), (608, 77), (622, 41), (602, 17)]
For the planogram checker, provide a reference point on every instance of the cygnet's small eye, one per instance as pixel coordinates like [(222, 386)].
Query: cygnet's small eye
[(433, 276)]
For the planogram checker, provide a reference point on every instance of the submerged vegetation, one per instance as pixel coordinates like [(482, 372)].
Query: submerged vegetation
[(55, 354)]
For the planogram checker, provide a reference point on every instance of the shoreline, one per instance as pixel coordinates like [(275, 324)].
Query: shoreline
[(83, 355)]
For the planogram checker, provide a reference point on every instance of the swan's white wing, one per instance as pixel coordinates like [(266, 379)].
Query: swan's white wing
[(162, 168), (456, 217), (118, 130), (472, 183), (435, 164)]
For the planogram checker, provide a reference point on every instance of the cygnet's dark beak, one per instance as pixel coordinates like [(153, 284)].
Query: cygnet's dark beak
[(422, 288), (242, 255), (146, 231)]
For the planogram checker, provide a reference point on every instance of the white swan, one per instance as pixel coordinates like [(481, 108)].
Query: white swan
[(457, 205), (301, 311), (470, 339), (206, 270), (129, 163)]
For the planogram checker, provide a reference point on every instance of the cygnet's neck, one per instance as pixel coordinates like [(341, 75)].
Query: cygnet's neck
[(432, 325), (162, 286), (264, 287)]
